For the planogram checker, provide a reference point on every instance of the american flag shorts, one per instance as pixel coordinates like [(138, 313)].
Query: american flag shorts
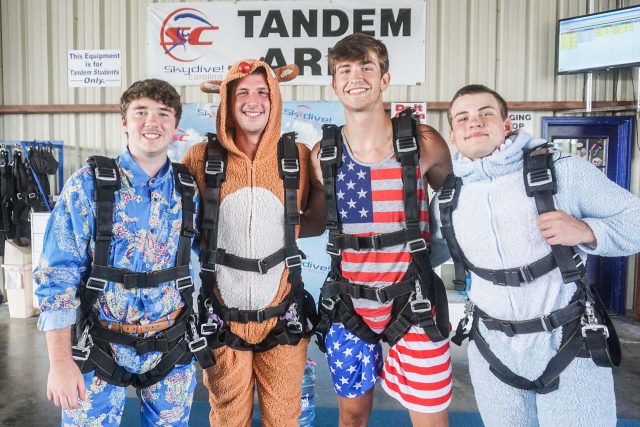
[(416, 371)]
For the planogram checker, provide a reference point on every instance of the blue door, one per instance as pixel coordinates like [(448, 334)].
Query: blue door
[(606, 142)]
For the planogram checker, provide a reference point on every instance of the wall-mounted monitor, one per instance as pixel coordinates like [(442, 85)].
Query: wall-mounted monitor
[(599, 41)]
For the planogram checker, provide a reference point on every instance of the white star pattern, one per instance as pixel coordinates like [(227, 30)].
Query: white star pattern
[(338, 363), (358, 386), (340, 195), (361, 174), (330, 351), (336, 345), (363, 212), (341, 176), (351, 185), (351, 369), (344, 380), (352, 204), (351, 165), (362, 194), (347, 352), (359, 356), (366, 360), (343, 213)]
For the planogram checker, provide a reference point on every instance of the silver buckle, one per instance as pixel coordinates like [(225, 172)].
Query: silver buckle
[(188, 282), (526, 274), (578, 259), (186, 180), (260, 316), (420, 301), (412, 147), (261, 270), (602, 328), (293, 261), (378, 292), (294, 326), (88, 285), (214, 167), (328, 303), (335, 252), (543, 319), (447, 195), (208, 328), (546, 180), (290, 165), (103, 175), (197, 344), (325, 156), (421, 247)]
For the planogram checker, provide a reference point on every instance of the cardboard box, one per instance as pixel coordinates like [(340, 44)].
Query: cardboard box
[(18, 280)]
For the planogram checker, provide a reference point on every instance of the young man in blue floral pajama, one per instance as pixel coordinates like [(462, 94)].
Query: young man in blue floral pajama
[(147, 222)]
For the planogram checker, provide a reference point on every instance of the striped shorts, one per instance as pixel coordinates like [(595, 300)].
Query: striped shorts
[(416, 371)]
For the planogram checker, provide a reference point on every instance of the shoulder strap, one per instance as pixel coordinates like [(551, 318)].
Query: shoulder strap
[(186, 186), (540, 183), (448, 200), (106, 182), (289, 168), (215, 175), (330, 157)]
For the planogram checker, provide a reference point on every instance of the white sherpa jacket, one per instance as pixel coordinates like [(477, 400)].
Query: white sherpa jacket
[(496, 226)]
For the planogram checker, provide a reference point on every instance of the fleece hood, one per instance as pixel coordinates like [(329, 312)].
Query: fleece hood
[(225, 126)]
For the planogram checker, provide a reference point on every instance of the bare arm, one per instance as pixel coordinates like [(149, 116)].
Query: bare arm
[(314, 213), (435, 156), (65, 385)]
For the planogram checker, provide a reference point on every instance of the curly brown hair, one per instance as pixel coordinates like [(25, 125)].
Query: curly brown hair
[(358, 47), (156, 89)]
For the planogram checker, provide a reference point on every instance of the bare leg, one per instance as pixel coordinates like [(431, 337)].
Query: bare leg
[(355, 411), (422, 419)]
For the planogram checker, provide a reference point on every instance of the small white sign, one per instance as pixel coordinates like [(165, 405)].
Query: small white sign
[(522, 120), (95, 68), (420, 109)]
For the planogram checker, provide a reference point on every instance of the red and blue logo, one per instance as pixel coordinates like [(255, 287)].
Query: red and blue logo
[(182, 29)]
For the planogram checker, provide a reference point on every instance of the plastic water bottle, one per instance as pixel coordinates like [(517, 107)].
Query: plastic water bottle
[(467, 288), (308, 396)]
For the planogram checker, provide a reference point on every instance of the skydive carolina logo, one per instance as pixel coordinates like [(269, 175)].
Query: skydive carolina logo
[(303, 112), (183, 28)]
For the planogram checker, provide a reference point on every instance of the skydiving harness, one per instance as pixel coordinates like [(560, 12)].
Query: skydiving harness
[(7, 190), (587, 330), (180, 342), (298, 306), (420, 289)]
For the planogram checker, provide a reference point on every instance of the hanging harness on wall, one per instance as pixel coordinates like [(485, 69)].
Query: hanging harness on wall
[(587, 330), (419, 290), (297, 307), (26, 198), (7, 193), (180, 342)]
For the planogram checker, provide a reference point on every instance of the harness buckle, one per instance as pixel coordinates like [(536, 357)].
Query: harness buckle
[(186, 180), (19, 196), (294, 326), (32, 195), (329, 249), (327, 153), (290, 165), (578, 259), (328, 303), (446, 195), (214, 167), (260, 317), (82, 349), (540, 177), (404, 145), (197, 344), (376, 242), (603, 328), (98, 287), (208, 328), (419, 306), (546, 324), (184, 282), (417, 245), (293, 261), (106, 174), (262, 267), (525, 273), (379, 295)]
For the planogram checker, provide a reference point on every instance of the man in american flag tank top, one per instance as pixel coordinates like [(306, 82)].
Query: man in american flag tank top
[(369, 201)]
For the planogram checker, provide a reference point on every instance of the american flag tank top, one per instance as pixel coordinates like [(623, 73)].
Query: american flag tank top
[(370, 201)]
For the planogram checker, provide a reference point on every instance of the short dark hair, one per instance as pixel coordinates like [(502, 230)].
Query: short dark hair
[(474, 89), (156, 89), (357, 47)]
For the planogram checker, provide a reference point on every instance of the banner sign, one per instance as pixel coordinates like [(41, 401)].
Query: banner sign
[(420, 110), (191, 42), (522, 120)]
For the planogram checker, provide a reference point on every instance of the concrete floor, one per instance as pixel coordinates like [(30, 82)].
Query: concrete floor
[(24, 367)]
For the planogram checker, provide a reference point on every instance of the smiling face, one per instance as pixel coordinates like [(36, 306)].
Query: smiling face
[(477, 126), (150, 127), (251, 104), (359, 83)]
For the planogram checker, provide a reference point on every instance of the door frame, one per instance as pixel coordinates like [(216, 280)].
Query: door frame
[(620, 173)]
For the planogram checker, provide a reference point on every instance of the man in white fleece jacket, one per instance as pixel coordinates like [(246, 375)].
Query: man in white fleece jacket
[(497, 227)]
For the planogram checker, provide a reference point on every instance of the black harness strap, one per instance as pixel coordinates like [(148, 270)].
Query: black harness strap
[(7, 192)]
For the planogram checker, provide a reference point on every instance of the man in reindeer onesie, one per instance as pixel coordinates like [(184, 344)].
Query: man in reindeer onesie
[(520, 217), (252, 303)]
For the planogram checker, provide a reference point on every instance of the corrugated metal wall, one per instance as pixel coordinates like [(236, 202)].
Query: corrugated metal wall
[(505, 44)]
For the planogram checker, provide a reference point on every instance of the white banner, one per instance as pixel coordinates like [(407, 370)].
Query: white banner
[(191, 42)]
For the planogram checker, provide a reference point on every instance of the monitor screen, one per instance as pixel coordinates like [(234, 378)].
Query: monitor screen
[(599, 41)]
